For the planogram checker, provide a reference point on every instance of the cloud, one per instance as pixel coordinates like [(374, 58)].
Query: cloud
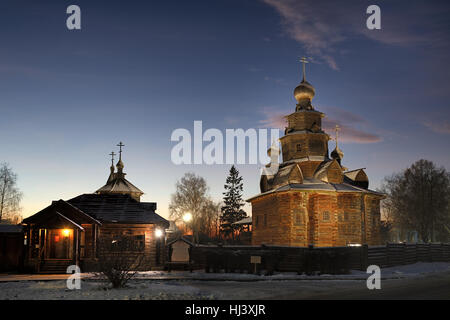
[(349, 123), (310, 27), (321, 26), (438, 126), (273, 118)]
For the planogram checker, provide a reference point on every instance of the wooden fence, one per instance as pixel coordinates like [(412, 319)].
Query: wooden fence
[(334, 260)]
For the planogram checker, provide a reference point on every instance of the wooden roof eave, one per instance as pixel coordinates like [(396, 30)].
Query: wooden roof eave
[(83, 213), (312, 189), (70, 221)]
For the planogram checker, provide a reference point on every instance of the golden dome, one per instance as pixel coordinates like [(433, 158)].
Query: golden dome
[(304, 91), (120, 165)]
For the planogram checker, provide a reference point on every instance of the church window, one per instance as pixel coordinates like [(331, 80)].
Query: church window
[(374, 221), (139, 241), (127, 242), (298, 217)]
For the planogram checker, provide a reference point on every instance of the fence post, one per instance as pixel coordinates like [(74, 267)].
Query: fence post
[(364, 257), (405, 248), (430, 255), (416, 255), (387, 254)]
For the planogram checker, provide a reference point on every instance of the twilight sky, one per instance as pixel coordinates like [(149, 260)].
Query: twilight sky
[(140, 69)]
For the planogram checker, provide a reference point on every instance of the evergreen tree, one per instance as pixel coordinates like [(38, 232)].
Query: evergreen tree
[(232, 210)]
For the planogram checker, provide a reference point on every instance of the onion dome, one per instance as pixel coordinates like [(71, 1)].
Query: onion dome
[(337, 154), (120, 165), (304, 91)]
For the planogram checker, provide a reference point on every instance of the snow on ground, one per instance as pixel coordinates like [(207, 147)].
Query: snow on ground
[(200, 285), (411, 270), (93, 290)]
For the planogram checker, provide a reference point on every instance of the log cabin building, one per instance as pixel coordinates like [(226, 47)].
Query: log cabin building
[(68, 232), (311, 198)]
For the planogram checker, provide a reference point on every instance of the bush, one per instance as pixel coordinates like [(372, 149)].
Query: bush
[(118, 259)]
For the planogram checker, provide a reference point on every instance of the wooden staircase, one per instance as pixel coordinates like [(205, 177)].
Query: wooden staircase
[(55, 266)]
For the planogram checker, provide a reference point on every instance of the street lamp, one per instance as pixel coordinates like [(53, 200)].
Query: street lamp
[(158, 233), (187, 217)]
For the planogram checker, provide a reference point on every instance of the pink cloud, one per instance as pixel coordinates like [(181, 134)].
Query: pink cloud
[(273, 118), (349, 123), (321, 25)]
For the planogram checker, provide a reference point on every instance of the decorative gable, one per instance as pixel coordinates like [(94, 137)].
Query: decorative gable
[(357, 178), (330, 172)]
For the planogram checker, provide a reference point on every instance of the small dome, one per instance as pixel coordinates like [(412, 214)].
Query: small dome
[(119, 165), (337, 154), (273, 149), (304, 91)]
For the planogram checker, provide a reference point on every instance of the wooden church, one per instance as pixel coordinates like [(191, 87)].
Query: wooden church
[(68, 232), (311, 198)]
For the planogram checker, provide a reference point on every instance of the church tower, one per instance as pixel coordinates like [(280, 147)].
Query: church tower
[(304, 138), (310, 198), (116, 183)]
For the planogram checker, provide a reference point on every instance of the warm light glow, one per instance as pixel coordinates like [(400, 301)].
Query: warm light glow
[(158, 233), (187, 217), (66, 232)]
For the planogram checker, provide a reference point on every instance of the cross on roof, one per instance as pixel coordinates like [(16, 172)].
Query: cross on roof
[(112, 154), (337, 129), (304, 61), (120, 145)]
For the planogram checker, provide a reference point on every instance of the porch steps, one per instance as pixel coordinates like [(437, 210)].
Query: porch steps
[(54, 266)]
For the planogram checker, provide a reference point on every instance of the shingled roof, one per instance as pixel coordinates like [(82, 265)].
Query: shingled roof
[(118, 184), (318, 185), (118, 208)]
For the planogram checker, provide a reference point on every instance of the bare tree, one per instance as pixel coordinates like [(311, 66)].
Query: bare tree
[(10, 195), (210, 215), (119, 258), (191, 196), (418, 199)]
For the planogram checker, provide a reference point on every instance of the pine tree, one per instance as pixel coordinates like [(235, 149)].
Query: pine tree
[(232, 210)]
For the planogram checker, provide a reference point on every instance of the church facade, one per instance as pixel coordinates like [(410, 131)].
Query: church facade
[(311, 198), (69, 232)]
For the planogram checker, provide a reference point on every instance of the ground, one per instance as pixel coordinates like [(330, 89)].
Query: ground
[(416, 281)]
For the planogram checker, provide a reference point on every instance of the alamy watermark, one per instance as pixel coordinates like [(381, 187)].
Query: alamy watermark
[(236, 146), (74, 281), (374, 280)]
